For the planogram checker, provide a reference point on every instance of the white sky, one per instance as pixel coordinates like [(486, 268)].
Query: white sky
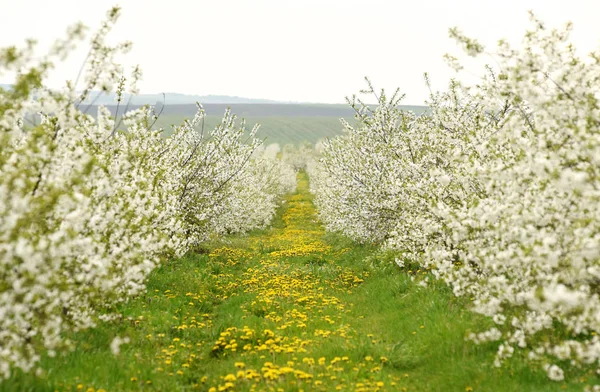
[(292, 50)]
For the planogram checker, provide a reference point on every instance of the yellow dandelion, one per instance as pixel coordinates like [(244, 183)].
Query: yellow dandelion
[(230, 377)]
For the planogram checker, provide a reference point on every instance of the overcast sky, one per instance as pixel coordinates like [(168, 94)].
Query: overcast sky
[(300, 50)]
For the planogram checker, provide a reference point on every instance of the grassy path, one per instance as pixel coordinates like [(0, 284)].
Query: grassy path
[(286, 309)]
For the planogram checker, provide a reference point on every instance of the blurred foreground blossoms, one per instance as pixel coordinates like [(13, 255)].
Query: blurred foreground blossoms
[(496, 190), (89, 206)]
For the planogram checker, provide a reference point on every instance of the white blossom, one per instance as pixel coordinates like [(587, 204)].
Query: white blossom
[(90, 206), (495, 189)]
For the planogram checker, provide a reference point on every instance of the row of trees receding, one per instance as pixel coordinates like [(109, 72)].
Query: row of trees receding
[(91, 205), (495, 190)]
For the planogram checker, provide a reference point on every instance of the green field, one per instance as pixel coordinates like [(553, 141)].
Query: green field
[(276, 129), (280, 123)]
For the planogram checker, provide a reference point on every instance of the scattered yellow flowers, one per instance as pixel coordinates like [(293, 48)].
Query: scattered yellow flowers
[(290, 312)]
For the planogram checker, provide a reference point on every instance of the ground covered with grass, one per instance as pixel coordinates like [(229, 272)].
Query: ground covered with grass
[(288, 309)]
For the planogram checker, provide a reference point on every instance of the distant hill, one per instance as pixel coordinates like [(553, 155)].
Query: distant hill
[(245, 109), (186, 104), (170, 99), (280, 123), (99, 98), (258, 109)]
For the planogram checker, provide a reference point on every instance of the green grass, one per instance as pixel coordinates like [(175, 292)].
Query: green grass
[(386, 332), (282, 130)]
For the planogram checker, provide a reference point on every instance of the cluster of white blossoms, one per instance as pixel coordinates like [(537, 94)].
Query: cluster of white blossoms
[(90, 205), (496, 189), (297, 156)]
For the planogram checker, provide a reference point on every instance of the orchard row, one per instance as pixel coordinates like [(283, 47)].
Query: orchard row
[(495, 190), (91, 205)]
